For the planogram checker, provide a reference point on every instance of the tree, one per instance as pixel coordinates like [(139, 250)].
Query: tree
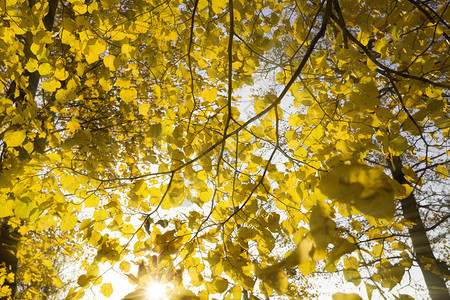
[(120, 121)]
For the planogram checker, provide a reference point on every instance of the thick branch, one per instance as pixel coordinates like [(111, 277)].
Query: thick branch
[(422, 248), (9, 236)]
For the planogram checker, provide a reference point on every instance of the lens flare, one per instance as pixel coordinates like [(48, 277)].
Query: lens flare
[(155, 291)]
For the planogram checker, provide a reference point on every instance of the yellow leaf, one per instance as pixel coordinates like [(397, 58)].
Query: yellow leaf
[(351, 262), (341, 247), (397, 145), (45, 69), (128, 95), (24, 207), (395, 33), (75, 294), (209, 95), (442, 171), (83, 280), (221, 284), (275, 277), (15, 138), (94, 48), (302, 253), (341, 296), (307, 267), (219, 5), (381, 45), (61, 73), (127, 48), (80, 8), (54, 157), (92, 271), (295, 120), (370, 288), (51, 85), (57, 282), (260, 105), (107, 289), (235, 293), (93, 7), (32, 65), (128, 229), (323, 229), (15, 27), (95, 238), (69, 223), (73, 125), (101, 215), (110, 61), (155, 130), (7, 209), (356, 225), (353, 276), (105, 84), (378, 250), (143, 109), (370, 190), (125, 266), (371, 65), (403, 191), (196, 277), (92, 201), (410, 175), (397, 226)]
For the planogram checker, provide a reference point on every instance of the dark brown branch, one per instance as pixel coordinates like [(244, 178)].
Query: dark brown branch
[(421, 244), (419, 6)]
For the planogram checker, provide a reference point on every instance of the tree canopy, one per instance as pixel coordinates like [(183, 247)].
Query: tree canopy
[(225, 148)]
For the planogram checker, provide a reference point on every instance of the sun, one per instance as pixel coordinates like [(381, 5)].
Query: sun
[(155, 291)]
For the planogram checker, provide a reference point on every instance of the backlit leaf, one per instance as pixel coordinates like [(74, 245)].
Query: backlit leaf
[(342, 296), (368, 189), (128, 95), (14, 138), (69, 223), (107, 289)]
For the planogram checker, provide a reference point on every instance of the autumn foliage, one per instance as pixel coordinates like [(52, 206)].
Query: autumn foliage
[(233, 149)]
